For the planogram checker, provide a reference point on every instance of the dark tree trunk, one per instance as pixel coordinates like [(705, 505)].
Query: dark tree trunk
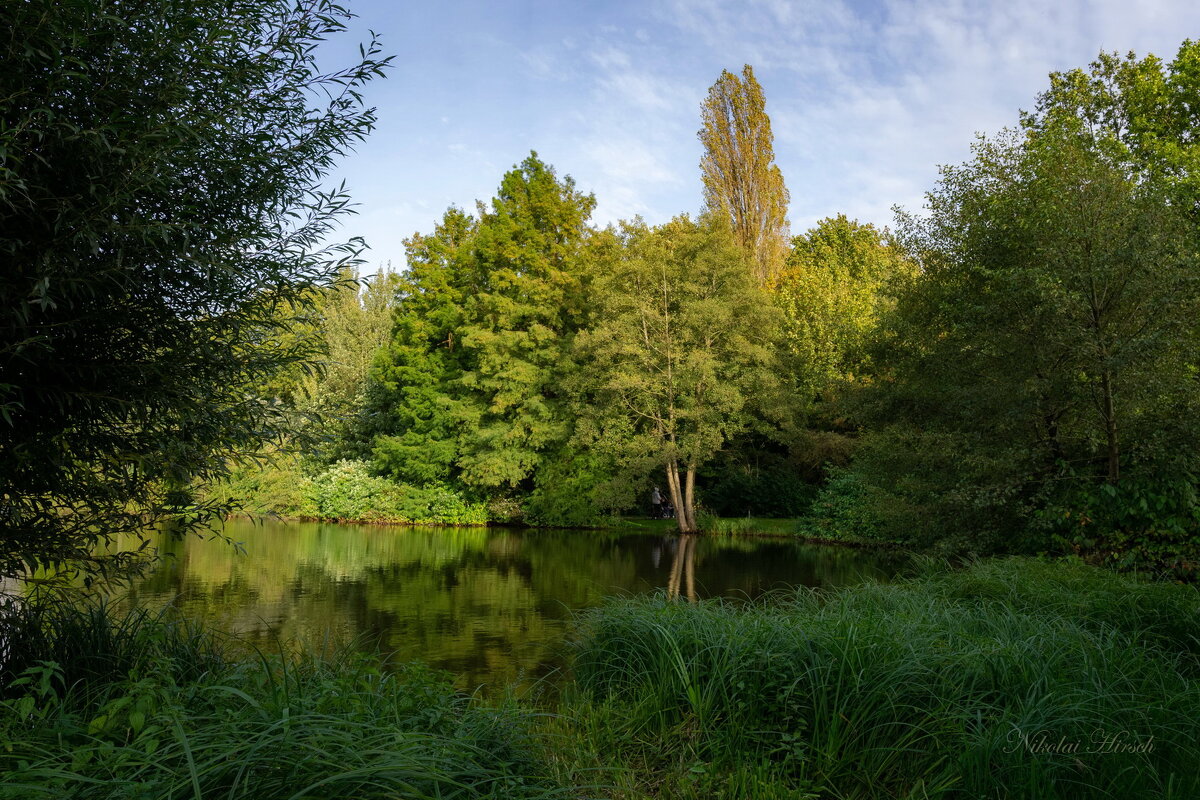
[(1110, 428)]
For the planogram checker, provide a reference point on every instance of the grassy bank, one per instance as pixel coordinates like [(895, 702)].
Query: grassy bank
[(718, 526), (1008, 678), (147, 707)]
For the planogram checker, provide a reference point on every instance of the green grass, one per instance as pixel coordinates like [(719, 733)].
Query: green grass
[(937, 687), (152, 709), (968, 683)]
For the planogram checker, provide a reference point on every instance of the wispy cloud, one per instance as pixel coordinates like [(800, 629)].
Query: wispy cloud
[(866, 97)]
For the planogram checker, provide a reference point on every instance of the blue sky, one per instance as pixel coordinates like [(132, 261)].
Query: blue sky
[(866, 98)]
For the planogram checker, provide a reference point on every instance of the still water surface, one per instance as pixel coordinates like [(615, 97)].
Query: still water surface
[(493, 606)]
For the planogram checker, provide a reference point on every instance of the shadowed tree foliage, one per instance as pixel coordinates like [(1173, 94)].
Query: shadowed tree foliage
[(161, 205), (740, 177), (1042, 354)]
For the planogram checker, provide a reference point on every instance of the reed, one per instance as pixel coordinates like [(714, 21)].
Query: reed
[(140, 706), (1000, 680)]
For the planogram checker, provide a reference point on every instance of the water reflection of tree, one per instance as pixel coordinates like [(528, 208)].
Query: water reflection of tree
[(683, 567), (491, 605)]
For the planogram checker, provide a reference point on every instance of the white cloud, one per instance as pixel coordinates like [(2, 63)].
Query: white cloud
[(867, 101), (866, 97)]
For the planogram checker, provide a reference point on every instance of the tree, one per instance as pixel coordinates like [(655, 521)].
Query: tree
[(347, 323), (838, 281), (414, 392), (471, 383), (161, 201), (527, 304), (1140, 112), (1043, 350), (740, 179), (681, 345)]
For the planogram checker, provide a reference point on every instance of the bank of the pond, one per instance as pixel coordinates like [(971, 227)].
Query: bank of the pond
[(793, 528), (148, 706), (1008, 678)]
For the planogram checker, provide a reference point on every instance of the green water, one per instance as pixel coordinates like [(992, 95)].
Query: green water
[(492, 606)]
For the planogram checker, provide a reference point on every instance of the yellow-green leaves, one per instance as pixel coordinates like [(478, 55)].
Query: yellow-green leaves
[(740, 177), (832, 290)]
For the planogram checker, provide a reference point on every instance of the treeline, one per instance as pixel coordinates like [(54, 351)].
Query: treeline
[(1013, 370)]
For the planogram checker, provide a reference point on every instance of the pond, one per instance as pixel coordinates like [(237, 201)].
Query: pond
[(492, 606)]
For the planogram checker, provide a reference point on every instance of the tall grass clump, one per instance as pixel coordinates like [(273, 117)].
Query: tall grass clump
[(1007, 679), (165, 714)]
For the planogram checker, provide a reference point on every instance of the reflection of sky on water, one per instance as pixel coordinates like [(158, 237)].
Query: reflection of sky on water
[(492, 606)]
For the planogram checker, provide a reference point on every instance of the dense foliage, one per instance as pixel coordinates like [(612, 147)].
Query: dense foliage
[(472, 378), (161, 207), (681, 355), (1013, 371), (1039, 374)]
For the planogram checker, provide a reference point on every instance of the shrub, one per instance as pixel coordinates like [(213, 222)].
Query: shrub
[(846, 510), (348, 491), (1144, 522), (278, 488)]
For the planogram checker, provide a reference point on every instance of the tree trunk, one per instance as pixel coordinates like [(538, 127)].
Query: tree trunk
[(681, 517), (689, 501), (1110, 428)]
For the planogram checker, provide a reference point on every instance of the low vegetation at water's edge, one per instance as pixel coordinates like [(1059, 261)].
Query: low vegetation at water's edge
[(1007, 678), (138, 706)]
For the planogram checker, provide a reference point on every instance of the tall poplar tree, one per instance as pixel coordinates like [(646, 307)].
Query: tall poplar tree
[(740, 177)]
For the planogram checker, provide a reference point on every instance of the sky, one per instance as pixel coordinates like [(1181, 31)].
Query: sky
[(866, 97)]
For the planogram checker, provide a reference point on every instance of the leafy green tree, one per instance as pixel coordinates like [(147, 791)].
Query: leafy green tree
[(1141, 112), (681, 347), (740, 177), (347, 323), (526, 304), (161, 199), (840, 277), (470, 388), (1043, 349), (414, 392)]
